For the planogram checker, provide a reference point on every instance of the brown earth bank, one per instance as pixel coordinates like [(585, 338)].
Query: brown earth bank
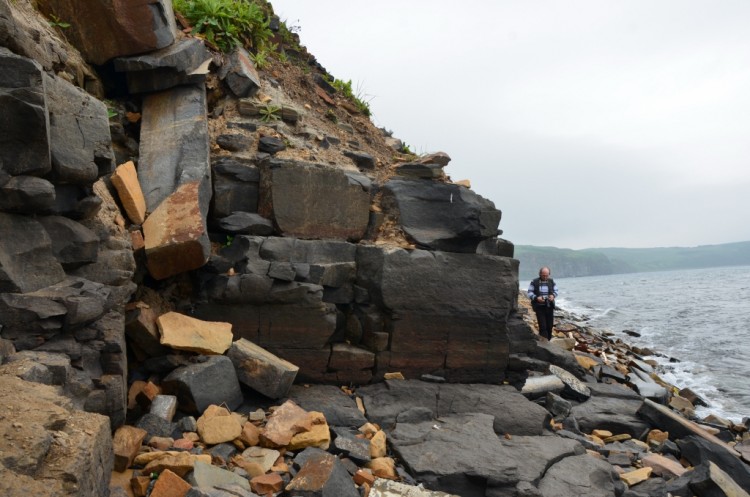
[(219, 278)]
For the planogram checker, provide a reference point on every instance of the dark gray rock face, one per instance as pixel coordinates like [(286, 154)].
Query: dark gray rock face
[(27, 262), (197, 386), (239, 73), (235, 183), (247, 223), (579, 476), (461, 454), (27, 194), (72, 243), (165, 68), (338, 408), (81, 145), (174, 147), (441, 216), (700, 452), (607, 413), (512, 413), (322, 474), (309, 201), (24, 122)]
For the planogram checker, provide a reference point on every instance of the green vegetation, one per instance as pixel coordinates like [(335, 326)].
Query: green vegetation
[(345, 88), (227, 23), (270, 113), (600, 261), (56, 22)]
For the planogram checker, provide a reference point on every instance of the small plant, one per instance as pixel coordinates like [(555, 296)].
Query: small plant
[(56, 22), (331, 116), (270, 113), (260, 59), (282, 56), (227, 23), (228, 241), (345, 87)]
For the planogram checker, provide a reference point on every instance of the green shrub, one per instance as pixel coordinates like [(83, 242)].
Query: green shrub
[(345, 87), (227, 23)]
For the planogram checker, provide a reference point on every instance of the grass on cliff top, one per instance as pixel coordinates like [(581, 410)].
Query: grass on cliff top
[(227, 23)]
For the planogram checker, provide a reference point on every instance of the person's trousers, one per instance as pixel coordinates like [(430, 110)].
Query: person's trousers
[(545, 317)]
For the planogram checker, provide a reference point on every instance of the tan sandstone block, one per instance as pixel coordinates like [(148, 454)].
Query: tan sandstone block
[(318, 436), (383, 467), (285, 422), (170, 485), (125, 180), (663, 466), (633, 477), (175, 234), (182, 332), (125, 444), (378, 445)]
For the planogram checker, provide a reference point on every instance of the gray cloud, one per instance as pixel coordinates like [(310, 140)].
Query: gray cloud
[(631, 118)]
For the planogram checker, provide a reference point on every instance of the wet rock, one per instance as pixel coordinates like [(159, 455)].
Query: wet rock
[(24, 139), (197, 386), (103, 30), (260, 370)]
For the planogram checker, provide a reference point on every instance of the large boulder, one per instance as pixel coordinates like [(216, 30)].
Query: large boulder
[(239, 73), (104, 29), (608, 413), (440, 216), (197, 386), (174, 65), (174, 147), (26, 195), (175, 234), (313, 201), (81, 144), (579, 476), (24, 121)]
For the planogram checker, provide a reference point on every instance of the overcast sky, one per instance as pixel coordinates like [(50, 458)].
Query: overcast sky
[(589, 123)]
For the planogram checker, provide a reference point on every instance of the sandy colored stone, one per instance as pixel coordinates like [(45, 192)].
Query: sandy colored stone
[(663, 466), (251, 467), (170, 485), (182, 332), (250, 435), (267, 484), (218, 425), (125, 444), (122, 480), (363, 476), (633, 477), (183, 443), (175, 234), (393, 376), (285, 422), (140, 485), (657, 436), (584, 361), (318, 436), (602, 434), (617, 438), (378, 445), (181, 463), (125, 181), (383, 467), (161, 443), (266, 458)]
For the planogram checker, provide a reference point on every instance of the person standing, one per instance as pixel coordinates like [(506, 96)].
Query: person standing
[(542, 292)]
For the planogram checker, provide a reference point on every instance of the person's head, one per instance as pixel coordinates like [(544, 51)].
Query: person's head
[(544, 273)]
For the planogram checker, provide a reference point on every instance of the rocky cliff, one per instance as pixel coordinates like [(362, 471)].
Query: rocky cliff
[(187, 231)]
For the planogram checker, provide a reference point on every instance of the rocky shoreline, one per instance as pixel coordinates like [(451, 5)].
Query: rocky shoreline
[(591, 418)]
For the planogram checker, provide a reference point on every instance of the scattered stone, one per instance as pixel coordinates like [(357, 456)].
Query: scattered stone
[(197, 386), (125, 444), (125, 180), (217, 425), (164, 406), (285, 422), (271, 144), (634, 477), (267, 484), (182, 332), (234, 142), (26, 194), (239, 73), (261, 370), (361, 159), (170, 485), (322, 474), (265, 458)]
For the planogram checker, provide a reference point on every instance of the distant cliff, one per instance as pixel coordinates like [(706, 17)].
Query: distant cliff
[(598, 261)]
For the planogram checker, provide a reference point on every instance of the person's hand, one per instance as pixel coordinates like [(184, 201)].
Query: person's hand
[(539, 299), (551, 297)]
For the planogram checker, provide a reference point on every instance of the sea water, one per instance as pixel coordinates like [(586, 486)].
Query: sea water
[(699, 317)]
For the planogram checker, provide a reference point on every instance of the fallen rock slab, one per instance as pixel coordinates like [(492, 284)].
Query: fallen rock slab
[(182, 332), (261, 370), (197, 386)]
